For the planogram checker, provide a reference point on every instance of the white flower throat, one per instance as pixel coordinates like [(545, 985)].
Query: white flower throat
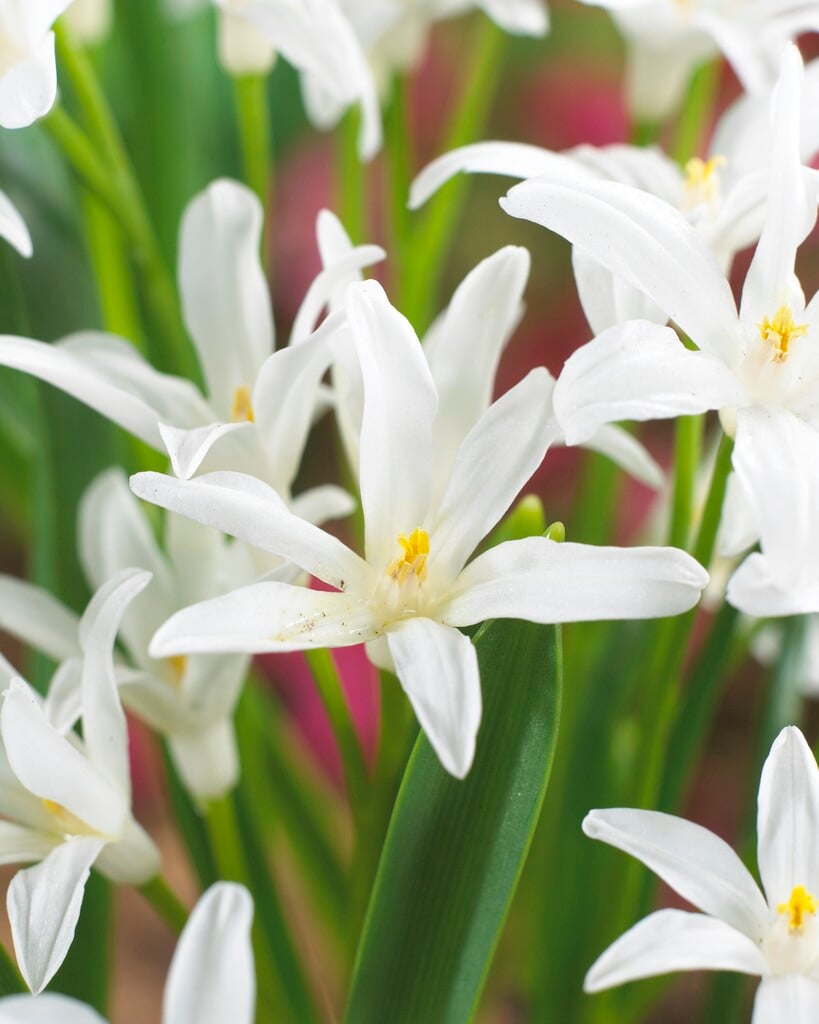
[(780, 332), (792, 944), (402, 588)]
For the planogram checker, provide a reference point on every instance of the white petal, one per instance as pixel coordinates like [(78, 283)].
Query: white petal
[(495, 461), (672, 940), (606, 299), (543, 581), (212, 977), (323, 503), (13, 227), (346, 269), (755, 590), (510, 159), (697, 864), (43, 905), (38, 619), (791, 213), (639, 371), (438, 668), (528, 17), (46, 1009), (788, 818), (207, 761), (51, 768), (644, 241), (133, 860), (28, 89), (465, 349), (188, 449), (623, 448), (738, 528), (22, 845), (225, 298), (63, 703), (792, 998), (400, 404), (775, 461), (250, 510), (267, 617)]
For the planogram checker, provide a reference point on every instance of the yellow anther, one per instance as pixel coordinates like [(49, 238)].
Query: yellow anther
[(702, 178), (413, 558), (242, 406), (67, 823), (780, 332), (801, 903), (178, 664)]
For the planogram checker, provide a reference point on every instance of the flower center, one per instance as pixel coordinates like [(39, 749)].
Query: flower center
[(67, 823), (413, 558), (702, 177), (177, 663), (242, 409), (780, 332), (798, 907)]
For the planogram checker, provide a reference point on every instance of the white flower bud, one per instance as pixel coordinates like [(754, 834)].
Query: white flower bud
[(89, 20), (243, 50)]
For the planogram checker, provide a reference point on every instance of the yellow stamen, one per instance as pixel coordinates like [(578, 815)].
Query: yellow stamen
[(178, 664), (780, 332), (68, 823), (242, 406), (702, 178), (413, 558), (801, 903)]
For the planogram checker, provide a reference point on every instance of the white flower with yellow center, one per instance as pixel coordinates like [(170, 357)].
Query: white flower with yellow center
[(667, 39), (775, 935), (416, 586), (66, 802), (759, 365)]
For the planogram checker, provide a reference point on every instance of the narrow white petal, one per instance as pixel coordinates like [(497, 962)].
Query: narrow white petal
[(188, 449), (28, 89), (465, 348), (329, 283), (495, 461), (528, 17), (623, 448), (22, 845), (775, 461), (267, 617), (438, 668), (13, 227), (638, 371), (132, 860), (46, 1009), (791, 998), (756, 590), (510, 159), (672, 940), (543, 581), (788, 818), (38, 619), (697, 864), (250, 510), (400, 403), (212, 977), (63, 702), (51, 768), (791, 212), (225, 298), (607, 300), (103, 721), (323, 503), (43, 905), (643, 240)]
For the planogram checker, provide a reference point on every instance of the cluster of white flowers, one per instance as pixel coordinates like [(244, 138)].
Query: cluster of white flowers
[(436, 464)]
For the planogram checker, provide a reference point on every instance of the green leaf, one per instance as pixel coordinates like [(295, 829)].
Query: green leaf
[(455, 850)]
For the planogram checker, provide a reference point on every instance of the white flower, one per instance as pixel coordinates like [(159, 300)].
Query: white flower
[(667, 39), (66, 801), (415, 588), (13, 227), (90, 20), (775, 935), (758, 366), (211, 979), (260, 404), (723, 195), (28, 70)]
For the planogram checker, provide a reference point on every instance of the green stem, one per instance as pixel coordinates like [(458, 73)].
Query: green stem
[(165, 902), (112, 271), (435, 232), (129, 204), (11, 981), (398, 166), (698, 106), (253, 119), (335, 704), (350, 179), (222, 826), (687, 450)]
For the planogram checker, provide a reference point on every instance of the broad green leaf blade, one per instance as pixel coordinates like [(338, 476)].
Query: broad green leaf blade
[(455, 850)]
